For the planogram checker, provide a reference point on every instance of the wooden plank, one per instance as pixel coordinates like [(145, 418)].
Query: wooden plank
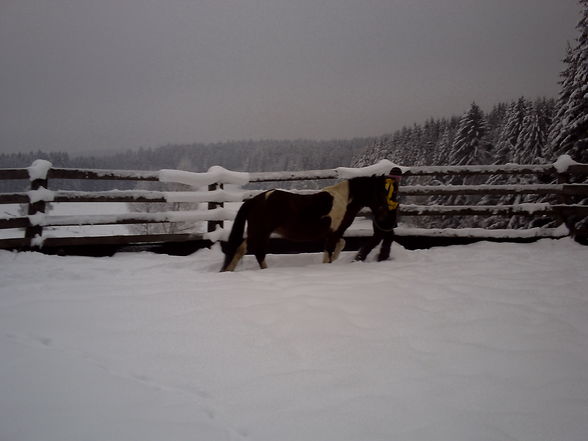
[(97, 174), (119, 240), (136, 218), (102, 240), (304, 175), (14, 198), (143, 175), (131, 196), (12, 243), (464, 170), (405, 210), (467, 170), (79, 173), (354, 238), (575, 189), (106, 196), (503, 210), (14, 222), (86, 196), (571, 210), (456, 170), (426, 190), (578, 169), (14, 173)]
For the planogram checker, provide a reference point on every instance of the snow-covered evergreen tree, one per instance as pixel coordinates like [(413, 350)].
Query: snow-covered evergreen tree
[(531, 141), (569, 133), (372, 154), (556, 129), (495, 119), (470, 146), (509, 135), (443, 150)]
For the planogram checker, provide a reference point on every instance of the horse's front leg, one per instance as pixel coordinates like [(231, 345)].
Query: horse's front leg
[(335, 242)]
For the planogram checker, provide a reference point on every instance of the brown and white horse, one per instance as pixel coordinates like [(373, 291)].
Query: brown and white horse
[(320, 216)]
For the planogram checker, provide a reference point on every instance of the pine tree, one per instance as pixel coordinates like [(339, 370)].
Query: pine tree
[(569, 133), (495, 120), (469, 148), (556, 129), (532, 138), (443, 149), (507, 141), (577, 140)]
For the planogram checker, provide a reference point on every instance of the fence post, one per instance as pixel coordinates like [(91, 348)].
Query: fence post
[(570, 219), (37, 183), (212, 224)]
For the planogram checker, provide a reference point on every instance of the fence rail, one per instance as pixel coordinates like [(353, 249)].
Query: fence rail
[(305, 175), (41, 174)]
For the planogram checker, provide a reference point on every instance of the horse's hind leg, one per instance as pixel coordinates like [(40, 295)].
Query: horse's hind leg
[(258, 250), (257, 245), (236, 257), (261, 260)]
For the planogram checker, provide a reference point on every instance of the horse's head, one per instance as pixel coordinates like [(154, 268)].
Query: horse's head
[(382, 195), (378, 200)]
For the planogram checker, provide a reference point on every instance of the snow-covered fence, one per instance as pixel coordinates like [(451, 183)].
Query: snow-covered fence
[(219, 186)]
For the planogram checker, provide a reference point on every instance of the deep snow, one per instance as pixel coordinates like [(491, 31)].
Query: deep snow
[(478, 342)]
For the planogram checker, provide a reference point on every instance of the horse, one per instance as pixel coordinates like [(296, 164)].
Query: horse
[(384, 226), (324, 215)]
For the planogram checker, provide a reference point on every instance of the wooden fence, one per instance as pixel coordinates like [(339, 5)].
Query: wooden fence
[(32, 228)]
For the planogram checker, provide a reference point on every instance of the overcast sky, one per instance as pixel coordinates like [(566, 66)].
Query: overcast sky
[(81, 75)]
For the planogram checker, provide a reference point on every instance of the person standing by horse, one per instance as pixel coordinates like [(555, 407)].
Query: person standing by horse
[(384, 228)]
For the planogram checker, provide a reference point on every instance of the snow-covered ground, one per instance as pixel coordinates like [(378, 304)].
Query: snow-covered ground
[(485, 342)]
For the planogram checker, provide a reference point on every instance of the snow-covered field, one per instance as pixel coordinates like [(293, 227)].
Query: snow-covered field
[(473, 343)]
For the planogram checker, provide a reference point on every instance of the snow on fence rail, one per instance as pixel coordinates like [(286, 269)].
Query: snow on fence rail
[(40, 173)]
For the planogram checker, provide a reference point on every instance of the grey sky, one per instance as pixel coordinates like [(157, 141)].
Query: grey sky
[(83, 75)]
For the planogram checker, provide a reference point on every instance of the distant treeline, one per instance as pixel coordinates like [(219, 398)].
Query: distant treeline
[(515, 132), (265, 155)]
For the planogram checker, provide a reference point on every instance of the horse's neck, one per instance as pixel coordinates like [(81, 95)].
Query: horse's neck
[(360, 192), (339, 191), (336, 187), (351, 192)]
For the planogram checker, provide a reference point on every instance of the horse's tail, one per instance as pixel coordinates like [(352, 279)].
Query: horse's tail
[(235, 247)]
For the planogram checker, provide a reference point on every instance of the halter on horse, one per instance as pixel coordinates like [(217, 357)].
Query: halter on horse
[(321, 216)]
